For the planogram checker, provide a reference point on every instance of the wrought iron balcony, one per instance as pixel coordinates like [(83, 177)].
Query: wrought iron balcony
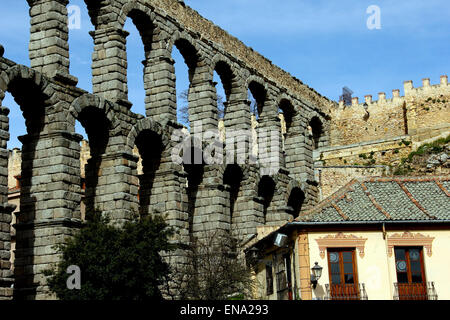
[(414, 291), (346, 292)]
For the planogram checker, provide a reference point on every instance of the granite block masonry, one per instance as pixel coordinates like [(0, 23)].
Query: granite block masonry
[(193, 198)]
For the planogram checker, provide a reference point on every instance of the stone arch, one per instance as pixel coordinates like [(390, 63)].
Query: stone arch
[(295, 197), (39, 92), (284, 103), (97, 9), (40, 171), (144, 20), (144, 125), (233, 177), (227, 74), (201, 107), (98, 118), (18, 73), (316, 129), (93, 101), (111, 45), (131, 6), (266, 192), (188, 48), (259, 90), (152, 145)]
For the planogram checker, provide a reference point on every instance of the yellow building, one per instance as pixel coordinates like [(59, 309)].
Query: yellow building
[(375, 239)]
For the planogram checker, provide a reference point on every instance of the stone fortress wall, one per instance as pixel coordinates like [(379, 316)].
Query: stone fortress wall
[(232, 197), (422, 113), (366, 139)]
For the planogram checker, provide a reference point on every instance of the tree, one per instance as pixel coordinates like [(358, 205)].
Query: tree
[(183, 109), (115, 263), (214, 269)]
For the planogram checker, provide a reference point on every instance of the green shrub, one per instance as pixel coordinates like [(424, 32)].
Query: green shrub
[(115, 263)]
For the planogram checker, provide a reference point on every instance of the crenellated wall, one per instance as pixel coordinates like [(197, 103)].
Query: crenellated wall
[(422, 113), (367, 139)]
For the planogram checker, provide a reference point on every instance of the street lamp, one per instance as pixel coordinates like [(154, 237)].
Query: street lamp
[(316, 274)]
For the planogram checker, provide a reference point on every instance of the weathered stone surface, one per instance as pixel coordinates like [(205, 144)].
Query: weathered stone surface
[(126, 167)]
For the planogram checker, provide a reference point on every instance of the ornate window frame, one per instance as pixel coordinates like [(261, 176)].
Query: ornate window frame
[(410, 239), (341, 240)]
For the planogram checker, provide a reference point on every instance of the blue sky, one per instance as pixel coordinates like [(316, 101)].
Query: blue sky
[(324, 43)]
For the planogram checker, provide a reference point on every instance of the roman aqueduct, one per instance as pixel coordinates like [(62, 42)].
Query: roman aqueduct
[(194, 198)]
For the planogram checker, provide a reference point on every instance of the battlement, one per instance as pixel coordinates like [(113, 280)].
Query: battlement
[(421, 111), (427, 90)]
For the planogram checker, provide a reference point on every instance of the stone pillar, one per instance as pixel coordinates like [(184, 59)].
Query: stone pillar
[(6, 279), (270, 156), (304, 163), (237, 115), (160, 91), (248, 209), (166, 196), (294, 149), (109, 64), (202, 104), (49, 48), (49, 207), (6, 276), (238, 124), (211, 205), (114, 193), (277, 213), (4, 137)]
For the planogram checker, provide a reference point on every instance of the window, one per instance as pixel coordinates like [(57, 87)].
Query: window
[(343, 274), (411, 283), (409, 265), (269, 279)]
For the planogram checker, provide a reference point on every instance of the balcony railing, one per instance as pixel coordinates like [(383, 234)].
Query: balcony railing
[(414, 291), (346, 292)]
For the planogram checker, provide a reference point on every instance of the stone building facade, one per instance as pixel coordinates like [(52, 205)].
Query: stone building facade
[(194, 198)]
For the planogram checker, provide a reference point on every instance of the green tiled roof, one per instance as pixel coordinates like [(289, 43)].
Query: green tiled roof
[(385, 199)]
